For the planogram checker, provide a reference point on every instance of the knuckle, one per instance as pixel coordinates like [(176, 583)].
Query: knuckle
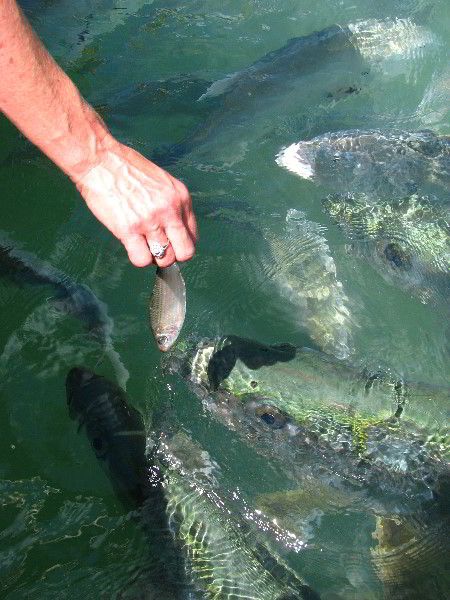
[(182, 189)]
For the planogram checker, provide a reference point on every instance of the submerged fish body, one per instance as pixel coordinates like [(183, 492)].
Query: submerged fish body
[(201, 551), (378, 163), (378, 178), (348, 440), (307, 75), (434, 108), (67, 298), (348, 422), (406, 240), (304, 272), (167, 306)]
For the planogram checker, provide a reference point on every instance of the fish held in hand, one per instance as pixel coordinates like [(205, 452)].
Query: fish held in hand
[(167, 306)]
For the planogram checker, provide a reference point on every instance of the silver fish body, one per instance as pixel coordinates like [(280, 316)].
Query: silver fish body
[(167, 306), (302, 268), (303, 79)]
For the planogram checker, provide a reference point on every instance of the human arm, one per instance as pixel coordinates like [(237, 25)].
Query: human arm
[(135, 199)]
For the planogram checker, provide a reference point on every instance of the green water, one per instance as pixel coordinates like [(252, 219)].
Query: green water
[(144, 65)]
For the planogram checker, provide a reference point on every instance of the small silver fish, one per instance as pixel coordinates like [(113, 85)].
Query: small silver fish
[(167, 306)]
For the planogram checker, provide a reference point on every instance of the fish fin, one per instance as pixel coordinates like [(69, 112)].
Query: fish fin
[(302, 502), (304, 271), (219, 87), (410, 560), (295, 158)]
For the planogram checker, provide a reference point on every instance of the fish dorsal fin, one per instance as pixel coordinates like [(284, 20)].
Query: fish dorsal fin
[(219, 87)]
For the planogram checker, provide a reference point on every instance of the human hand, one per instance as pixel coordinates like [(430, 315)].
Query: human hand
[(141, 203)]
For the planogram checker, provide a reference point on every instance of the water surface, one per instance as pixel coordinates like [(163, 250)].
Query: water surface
[(144, 65)]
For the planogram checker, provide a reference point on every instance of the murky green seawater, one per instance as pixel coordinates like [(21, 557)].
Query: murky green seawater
[(144, 65)]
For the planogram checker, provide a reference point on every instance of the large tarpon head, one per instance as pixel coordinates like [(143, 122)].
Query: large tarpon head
[(314, 414), (343, 438), (303, 381), (375, 162), (406, 239), (298, 379), (115, 430)]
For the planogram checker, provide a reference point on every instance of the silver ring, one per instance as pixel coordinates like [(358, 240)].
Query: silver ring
[(157, 249)]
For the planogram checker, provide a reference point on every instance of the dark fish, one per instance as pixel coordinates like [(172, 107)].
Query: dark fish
[(167, 306), (307, 75), (201, 551)]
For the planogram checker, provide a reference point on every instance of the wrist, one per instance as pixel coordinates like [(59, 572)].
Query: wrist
[(85, 144)]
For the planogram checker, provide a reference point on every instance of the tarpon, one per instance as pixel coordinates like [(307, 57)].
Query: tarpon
[(381, 164), (65, 297), (390, 198), (307, 75), (344, 410), (378, 444), (201, 551), (301, 266), (407, 240)]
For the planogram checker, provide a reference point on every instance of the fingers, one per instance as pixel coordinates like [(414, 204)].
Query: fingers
[(191, 224), (178, 239), (140, 204), (138, 250), (181, 242), (181, 235)]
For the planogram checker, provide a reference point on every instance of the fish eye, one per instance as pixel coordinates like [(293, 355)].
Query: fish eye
[(395, 254), (271, 416), (100, 445)]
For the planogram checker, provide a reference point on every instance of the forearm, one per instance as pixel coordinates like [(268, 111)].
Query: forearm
[(43, 102), (135, 199)]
